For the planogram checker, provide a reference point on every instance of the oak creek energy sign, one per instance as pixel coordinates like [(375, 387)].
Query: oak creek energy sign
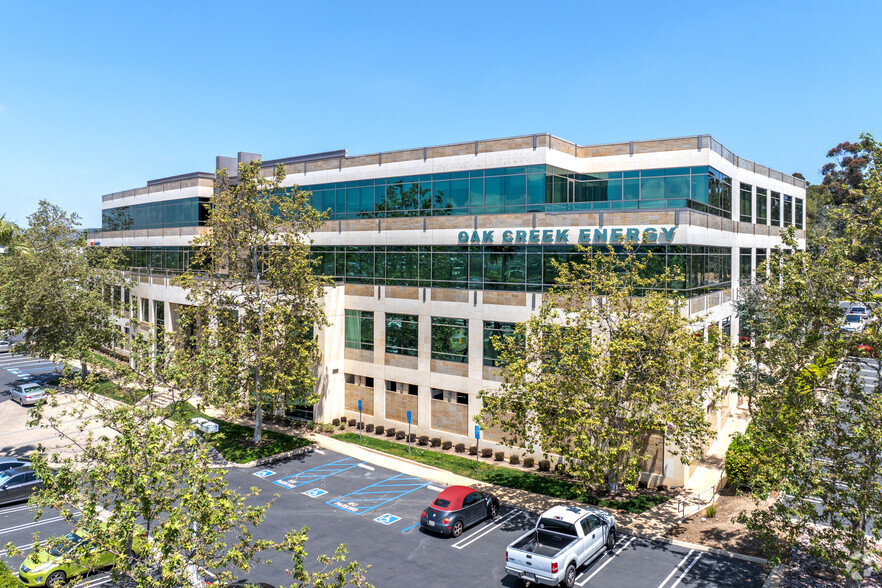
[(561, 236)]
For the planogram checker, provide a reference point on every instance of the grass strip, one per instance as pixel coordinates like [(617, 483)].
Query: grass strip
[(503, 476), (232, 440)]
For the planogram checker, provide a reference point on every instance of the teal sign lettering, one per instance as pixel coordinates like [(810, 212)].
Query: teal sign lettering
[(559, 236)]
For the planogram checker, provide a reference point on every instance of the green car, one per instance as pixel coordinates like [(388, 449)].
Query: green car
[(53, 567)]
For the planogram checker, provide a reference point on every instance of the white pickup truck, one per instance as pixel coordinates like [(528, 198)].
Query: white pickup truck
[(565, 538)]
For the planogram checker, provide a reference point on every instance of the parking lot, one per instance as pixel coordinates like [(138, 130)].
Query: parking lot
[(376, 512)]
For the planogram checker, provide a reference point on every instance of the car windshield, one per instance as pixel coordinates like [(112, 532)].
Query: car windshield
[(4, 477), (71, 540), (33, 390), (853, 318), (441, 503)]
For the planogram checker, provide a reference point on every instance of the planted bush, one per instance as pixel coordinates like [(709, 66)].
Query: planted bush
[(390, 432), (400, 435), (560, 469), (499, 456), (473, 450), (486, 452), (360, 426), (369, 427), (336, 422), (754, 463), (446, 445), (379, 429), (423, 439), (436, 442), (514, 459), (544, 465), (460, 447), (413, 437), (352, 422), (528, 462)]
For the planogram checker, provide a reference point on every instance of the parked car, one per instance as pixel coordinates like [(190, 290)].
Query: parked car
[(859, 310), (27, 393), (17, 484), (854, 323), (565, 538), (456, 508), (55, 566), (4, 345), (7, 463)]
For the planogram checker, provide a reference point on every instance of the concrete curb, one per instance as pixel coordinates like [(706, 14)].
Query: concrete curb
[(775, 578), (270, 459)]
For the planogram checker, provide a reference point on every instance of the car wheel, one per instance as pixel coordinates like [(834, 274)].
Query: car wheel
[(494, 510), (456, 530), (56, 579), (570, 577), (611, 539)]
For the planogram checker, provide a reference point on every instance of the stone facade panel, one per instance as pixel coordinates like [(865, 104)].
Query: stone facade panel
[(451, 368), (449, 295), (450, 417), (398, 404), (505, 298), (354, 393), (365, 355), (405, 292)]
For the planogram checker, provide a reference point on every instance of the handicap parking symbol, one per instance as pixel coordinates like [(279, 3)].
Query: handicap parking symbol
[(264, 473), (387, 519), (315, 492)]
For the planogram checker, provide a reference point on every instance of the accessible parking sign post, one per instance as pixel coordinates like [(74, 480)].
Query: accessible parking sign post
[(408, 431), (359, 421), (477, 446)]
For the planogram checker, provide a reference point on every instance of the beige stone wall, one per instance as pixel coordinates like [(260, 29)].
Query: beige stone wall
[(654, 446), (354, 393), (359, 290), (449, 295), (491, 373), (398, 404), (450, 368), (405, 292), (402, 361), (505, 298), (365, 355), (450, 417)]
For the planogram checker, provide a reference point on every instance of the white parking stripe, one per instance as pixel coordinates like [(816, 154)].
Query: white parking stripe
[(435, 488), (22, 547), (674, 571), (319, 451), (30, 525), (486, 530), (607, 562), (15, 509), (365, 466), (686, 571), (94, 581)]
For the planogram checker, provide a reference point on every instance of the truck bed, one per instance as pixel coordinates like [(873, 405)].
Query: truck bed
[(545, 543)]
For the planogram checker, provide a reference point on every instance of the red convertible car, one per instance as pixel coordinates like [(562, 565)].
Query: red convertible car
[(456, 508)]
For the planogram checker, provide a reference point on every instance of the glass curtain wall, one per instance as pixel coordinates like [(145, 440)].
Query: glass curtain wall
[(402, 334), (495, 329), (762, 206), (359, 327), (776, 209), (746, 213), (186, 212), (450, 339)]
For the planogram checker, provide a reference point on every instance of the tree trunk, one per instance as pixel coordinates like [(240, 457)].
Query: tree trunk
[(84, 367), (258, 397), (612, 482)]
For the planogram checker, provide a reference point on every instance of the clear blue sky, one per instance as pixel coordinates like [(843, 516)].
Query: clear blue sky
[(98, 97)]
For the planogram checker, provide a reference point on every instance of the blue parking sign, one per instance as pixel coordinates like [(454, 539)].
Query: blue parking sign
[(477, 432), (408, 417), (359, 406)]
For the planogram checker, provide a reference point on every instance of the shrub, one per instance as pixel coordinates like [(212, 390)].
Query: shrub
[(369, 427), (390, 432), (514, 459), (379, 429), (336, 422), (343, 419), (499, 456), (352, 422), (711, 511), (413, 437), (460, 447), (423, 439), (342, 425), (753, 463), (528, 462), (473, 450), (544, 465), (7, 579), (400, 435), (436, 442), (360, 425), (560, 469), (486, 452), (446, 445)]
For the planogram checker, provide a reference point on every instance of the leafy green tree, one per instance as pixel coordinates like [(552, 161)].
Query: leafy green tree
[(255, 296), (609, 359), (845, 175), (60, 295), (144, 489), (812, 411), (10, 237)]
